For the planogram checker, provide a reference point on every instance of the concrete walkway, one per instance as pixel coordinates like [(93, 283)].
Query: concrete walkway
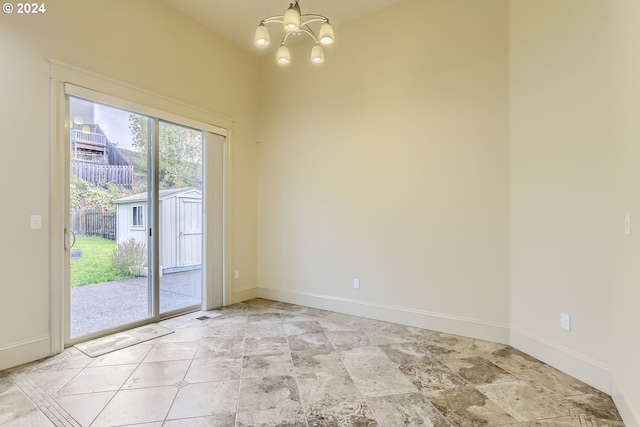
[(107, 305)]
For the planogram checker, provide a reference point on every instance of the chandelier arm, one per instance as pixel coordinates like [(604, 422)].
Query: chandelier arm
[(284, 39), (313, 18), (310, 33), (270, 20)]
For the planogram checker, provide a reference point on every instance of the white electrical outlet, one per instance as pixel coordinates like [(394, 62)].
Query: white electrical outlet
[(565, 321), (36, 222), (236, 275), (356, 283)]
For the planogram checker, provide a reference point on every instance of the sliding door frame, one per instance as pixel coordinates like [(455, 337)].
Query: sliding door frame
[(67, 80)]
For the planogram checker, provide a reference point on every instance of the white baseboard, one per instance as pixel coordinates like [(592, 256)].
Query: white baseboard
[(243, 295), (458, 325), (629, 413), (24, 352), (584, 368)]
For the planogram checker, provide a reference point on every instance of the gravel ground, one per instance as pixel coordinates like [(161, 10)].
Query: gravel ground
[(107, 305)]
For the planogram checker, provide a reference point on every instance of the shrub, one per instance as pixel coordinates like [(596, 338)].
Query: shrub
[(130, 258)]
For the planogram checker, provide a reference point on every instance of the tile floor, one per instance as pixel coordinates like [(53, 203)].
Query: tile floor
[(265, 363)]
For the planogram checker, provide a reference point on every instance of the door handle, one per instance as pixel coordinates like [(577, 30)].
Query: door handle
[(68, 245)]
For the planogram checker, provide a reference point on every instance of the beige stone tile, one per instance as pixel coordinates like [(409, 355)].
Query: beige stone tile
[(408, 353), (596, 404), (374, 373), (334, 414), (525, 400), (31, 419), (302, 328), (327, 386), (214, 369), (347, 340), (316, 360), (432, 376), (101, 378), (137, 406), (264, 318), (15, 404), (156, 374), (512, 359), (226, 331), (52, 380), (478, 370), (381, 337), (267, 365), (467, 407), (215, 348), (304, 342), (164, 352), (259, 394), (205, 399), (268, 345), (413, 409), (447, 346), (264, 330), (272, 418), (555, 380), (84, 408)]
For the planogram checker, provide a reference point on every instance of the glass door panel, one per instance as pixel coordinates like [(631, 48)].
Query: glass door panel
[(109, 216), (180, 207)]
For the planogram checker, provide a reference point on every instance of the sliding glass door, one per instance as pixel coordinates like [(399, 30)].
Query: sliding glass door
[(135, 218)]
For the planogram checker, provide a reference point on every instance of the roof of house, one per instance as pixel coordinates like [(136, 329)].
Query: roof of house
[(163, 194)]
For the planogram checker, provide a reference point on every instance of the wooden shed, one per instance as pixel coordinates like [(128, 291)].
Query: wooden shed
[(180, 226)]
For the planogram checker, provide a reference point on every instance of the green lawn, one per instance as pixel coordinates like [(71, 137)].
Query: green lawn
[(95, 264)]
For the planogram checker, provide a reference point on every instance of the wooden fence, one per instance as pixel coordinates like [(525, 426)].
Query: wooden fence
[(121, 175), (93, 222)]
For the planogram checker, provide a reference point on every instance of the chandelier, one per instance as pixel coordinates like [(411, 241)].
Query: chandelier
[(294, 23)]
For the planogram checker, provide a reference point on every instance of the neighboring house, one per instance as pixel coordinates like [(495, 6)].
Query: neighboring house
[(95, 159), (180, 226)]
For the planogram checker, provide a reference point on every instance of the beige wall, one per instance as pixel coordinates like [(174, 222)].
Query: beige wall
[(389, 163), (561, 175), (575, 102), (144, 43), (625, 289)]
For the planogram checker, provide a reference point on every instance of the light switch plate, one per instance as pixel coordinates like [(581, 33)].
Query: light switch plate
[(565, 321)]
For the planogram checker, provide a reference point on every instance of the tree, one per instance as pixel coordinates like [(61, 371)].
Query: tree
[(180, 152)]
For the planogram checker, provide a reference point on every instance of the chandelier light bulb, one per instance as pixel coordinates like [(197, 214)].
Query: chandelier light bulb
[(283, 56), (292, 19), (317, 54), (262, 35), (326, 33)]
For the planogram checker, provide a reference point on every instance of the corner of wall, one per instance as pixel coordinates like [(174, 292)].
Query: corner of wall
[(582, 367), (629, 414), (244, 295)]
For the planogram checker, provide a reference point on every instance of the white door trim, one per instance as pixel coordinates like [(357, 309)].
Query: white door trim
[(130, 97)]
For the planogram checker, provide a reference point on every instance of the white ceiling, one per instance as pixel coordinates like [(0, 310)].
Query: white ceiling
[(236, 20)]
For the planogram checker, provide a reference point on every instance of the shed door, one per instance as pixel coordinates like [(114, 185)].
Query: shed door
[(190, 232)]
